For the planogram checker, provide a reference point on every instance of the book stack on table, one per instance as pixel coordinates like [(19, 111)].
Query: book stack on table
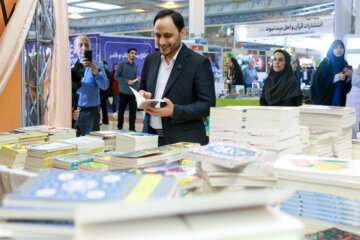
[(270, 128), (331, 118), (328, 189), (321, 143), (135, 141), (86, 144), (58, 133), (71, 162), (13, 155), (228, 166), (109, 137), (304, 139), (8, 138), (356, 149)]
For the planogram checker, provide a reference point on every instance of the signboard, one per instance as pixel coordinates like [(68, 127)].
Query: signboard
[(197, 47)]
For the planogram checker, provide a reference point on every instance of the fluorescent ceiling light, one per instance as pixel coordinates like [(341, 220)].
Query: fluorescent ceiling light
[(169, 5), (72, 10), (76, 16), (98, 6), (139, 10), (75, 1)]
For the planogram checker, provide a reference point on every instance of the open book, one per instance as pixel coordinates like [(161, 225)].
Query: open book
[(143, 103)]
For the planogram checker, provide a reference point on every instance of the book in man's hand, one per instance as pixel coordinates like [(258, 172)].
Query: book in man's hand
[(143, 103)]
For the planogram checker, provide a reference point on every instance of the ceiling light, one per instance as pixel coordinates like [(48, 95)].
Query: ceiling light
[(169, 5), (98, 6), (72, 10), (76, 16), (139, 10)]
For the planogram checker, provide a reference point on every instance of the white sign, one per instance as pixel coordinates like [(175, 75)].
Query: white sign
[(303, 28)]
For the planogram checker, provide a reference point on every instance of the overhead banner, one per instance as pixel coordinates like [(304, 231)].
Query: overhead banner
[(114, 50), (293, 28)]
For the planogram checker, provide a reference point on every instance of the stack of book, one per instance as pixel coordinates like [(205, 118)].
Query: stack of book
[(41, 156), (304, 139), (338, 119), (355, 149), (13, 155), (87, 145), (36, 128), (134, 141), (58, 133), (71, 162), (210, 217), (109, 138), (224, 165), (328, 189), (154, 156), (32, 137), (269, 128), (321, 143), (8, 138)]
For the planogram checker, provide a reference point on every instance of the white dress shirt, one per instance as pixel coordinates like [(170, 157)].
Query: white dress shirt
[(162, 79)]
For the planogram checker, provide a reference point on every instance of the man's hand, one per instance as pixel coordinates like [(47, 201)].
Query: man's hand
[(75, 114), (92, 65), (146, 95), (131, 82), (166, 111)]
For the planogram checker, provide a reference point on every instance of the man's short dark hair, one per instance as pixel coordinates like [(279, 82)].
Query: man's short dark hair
[(132, 49), (176, 17)]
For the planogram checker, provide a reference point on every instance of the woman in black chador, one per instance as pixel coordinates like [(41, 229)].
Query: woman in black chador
[(281, 87), (333, 78)]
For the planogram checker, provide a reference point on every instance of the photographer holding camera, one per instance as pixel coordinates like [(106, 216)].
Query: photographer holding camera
[(87, 78)]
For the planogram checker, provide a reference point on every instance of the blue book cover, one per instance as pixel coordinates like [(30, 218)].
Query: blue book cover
[(72, 162), (61, 189)]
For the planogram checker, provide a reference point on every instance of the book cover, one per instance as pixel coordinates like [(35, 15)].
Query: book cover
[(63, 189), (72, 162), (93, 167), (227, 155), (332, 233)]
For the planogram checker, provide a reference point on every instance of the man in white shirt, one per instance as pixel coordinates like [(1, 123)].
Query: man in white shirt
[(183, 78)]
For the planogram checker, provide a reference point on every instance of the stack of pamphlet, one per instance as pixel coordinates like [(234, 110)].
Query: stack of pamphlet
[(328, 189), (269, 128), (304, 139), (134, 141), (321, 143), (356, 149), (71, 162), (8, 138), (87, 144), (13, 155), (154, 156), (331, 118), (32, 137), (109, 137), (41, 156), (58, 133), (114, 206), (227, 165)]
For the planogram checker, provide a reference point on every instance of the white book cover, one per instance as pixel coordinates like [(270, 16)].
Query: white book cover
[(318, 166), (143, 103)]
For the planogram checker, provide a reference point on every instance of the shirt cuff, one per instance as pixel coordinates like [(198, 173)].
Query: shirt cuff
[(336, 78)]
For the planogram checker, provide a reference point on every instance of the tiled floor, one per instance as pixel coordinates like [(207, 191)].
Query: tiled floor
[(113, 121)]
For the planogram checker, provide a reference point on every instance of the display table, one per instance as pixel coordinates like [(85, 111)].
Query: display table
[(232, 101), (12, 178)]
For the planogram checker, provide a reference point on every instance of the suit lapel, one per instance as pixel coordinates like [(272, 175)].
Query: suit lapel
[(179, 66), (153, 72)]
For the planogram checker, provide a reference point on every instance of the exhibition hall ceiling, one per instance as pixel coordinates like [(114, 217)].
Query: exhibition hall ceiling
[(136, 15)]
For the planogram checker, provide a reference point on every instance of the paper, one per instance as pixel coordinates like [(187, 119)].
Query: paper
[(143, 103)]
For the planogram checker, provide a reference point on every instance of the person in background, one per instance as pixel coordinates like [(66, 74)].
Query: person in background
[(105, 94), (115, 87), (333, 78), (93, 79), (182, 78), (281, 88), (295, 65), (126, 75), (250, 74), (234, 75)]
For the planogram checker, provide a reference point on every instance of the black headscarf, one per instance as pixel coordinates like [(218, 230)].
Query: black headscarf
[(236, 72), (283, 85)]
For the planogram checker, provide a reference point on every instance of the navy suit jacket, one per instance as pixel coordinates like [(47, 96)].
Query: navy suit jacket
[(190, 88)]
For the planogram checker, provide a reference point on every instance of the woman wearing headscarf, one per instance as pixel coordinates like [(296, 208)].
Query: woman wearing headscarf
[(295, 65), (333, 79), (281, 87), (234, 74)]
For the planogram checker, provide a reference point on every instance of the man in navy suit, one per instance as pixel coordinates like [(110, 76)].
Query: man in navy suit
[(181, 77)]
